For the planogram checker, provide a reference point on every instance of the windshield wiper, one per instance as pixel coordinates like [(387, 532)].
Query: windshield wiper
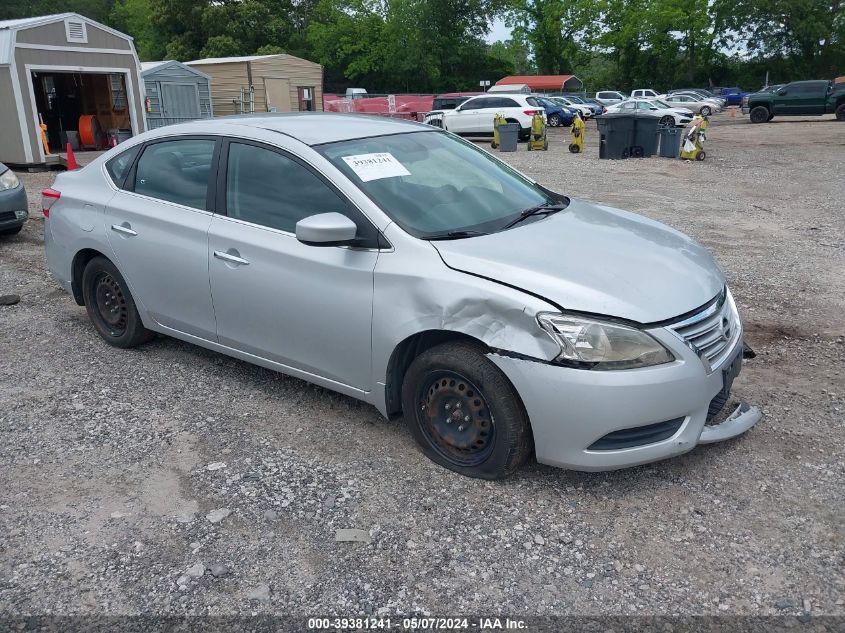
[(453, 235), (547, 209)]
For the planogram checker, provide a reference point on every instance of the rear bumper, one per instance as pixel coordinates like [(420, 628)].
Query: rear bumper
[(588, 420)]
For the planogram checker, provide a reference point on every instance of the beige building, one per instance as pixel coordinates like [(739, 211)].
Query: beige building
[(263, 83), (57, 70)]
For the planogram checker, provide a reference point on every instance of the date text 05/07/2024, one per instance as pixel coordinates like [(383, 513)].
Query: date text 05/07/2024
[(417, 624)]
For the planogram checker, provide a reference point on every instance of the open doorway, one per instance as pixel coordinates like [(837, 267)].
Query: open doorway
[(88, 110)]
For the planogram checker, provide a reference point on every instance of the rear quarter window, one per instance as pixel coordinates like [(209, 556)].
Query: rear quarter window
[(119, 166)]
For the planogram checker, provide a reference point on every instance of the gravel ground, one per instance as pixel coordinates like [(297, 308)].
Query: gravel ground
[(174, 480)]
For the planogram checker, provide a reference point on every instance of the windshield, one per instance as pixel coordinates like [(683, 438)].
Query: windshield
[(576, 99), (433, 183), (660, 103)]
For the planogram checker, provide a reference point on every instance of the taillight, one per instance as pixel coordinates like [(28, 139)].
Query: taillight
[(48, 199), (532, 112)]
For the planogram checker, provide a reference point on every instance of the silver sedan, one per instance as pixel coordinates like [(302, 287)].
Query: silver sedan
[(403, 266), (704, 107)]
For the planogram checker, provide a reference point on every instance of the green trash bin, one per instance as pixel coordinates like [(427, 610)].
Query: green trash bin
[(670, 141), (509, 137)]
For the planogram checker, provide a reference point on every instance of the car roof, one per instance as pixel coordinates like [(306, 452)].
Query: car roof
[(312, 128)]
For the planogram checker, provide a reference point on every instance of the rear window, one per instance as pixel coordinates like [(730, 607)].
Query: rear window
[(119, 166)]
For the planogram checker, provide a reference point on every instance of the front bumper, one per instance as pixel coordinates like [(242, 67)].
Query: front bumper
[(571, 410), (13, 208)]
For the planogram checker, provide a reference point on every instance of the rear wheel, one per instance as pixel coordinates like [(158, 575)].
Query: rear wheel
[(759, 115), (667, 121), (464, 413), (701, 155), (110, 305)]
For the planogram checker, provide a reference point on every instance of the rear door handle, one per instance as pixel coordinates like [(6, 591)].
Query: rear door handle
[(124, 228), (231, 258)]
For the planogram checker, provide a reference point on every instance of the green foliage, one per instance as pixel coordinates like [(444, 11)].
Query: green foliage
[(439, 45)]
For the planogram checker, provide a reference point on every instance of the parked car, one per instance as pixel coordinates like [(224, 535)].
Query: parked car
[(356, 93), (14, 209), (669, 115), (704, 107), (474, 117), (585, 110), (405, 267), (799, 98), (609, 97), (557, 114), (647, 93), (451, 100), (703, 94), (733, 96), (595, 107)]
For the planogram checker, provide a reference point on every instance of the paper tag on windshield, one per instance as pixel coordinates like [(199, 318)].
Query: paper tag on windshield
[(376, 166)]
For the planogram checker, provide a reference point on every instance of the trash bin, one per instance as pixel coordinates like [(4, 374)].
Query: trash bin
[(509, 137), (670, 141), (616, 131), (627, 135)]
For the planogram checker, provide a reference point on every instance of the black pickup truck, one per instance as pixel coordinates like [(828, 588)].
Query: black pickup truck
[(799, 98)]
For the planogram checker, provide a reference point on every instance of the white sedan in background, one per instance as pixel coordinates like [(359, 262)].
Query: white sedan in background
[(585, 110), (668, 115)]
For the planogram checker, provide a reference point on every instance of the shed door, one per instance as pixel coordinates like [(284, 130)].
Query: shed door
[(277, 94), (181, 101)]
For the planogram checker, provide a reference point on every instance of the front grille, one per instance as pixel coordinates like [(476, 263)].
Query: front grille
[(637, 436), (5, 216), (713, 332)]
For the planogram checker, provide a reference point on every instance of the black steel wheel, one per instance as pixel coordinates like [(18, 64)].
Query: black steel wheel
[(110, 305), (455, 418), (464, 413)]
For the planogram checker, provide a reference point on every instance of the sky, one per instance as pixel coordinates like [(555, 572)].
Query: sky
[(498, 31)]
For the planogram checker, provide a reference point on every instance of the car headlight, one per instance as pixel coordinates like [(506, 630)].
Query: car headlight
[(8, 180), (593, 344)]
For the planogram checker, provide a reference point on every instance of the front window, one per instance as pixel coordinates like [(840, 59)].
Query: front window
[(433, 183)]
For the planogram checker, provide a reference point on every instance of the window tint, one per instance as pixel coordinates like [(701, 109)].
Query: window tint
[(270, 189), (475, 104), (643, 105), (628, 105), (504, 102), (532, 101), (176, 171), (119, 166)]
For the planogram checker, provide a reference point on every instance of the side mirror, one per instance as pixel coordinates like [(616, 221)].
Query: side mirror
[(325, 229), (652, 108)]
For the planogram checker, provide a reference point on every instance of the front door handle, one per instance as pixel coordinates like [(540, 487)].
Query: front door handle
[(231, 258), (124, 229)]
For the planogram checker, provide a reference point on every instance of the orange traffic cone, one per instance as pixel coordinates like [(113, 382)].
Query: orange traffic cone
[(71, 159)]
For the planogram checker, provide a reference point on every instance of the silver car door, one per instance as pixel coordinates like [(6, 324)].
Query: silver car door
[(158, 230), (306, 307)]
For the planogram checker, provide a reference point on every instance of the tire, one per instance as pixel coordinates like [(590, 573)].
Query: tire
[(110, 305), (555, 120), (13, 231), (759, 115), (460, 379), (706, 111), (701, 155), (840, 112), (573, 148), (667, 121), (771, 116)]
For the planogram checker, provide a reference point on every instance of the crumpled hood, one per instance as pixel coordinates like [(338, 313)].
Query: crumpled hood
[(591, 258)]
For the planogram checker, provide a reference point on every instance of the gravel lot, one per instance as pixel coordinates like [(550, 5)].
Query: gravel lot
[(117, 464)]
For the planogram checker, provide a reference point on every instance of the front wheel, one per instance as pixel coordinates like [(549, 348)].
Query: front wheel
[(759, 115), (701, 155), (667, 121), (840, 112), (555, 120), (110, 305), (464, 413), (706, 111)]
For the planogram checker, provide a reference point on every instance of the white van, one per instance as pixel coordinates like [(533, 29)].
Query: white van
[(524, 89)]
